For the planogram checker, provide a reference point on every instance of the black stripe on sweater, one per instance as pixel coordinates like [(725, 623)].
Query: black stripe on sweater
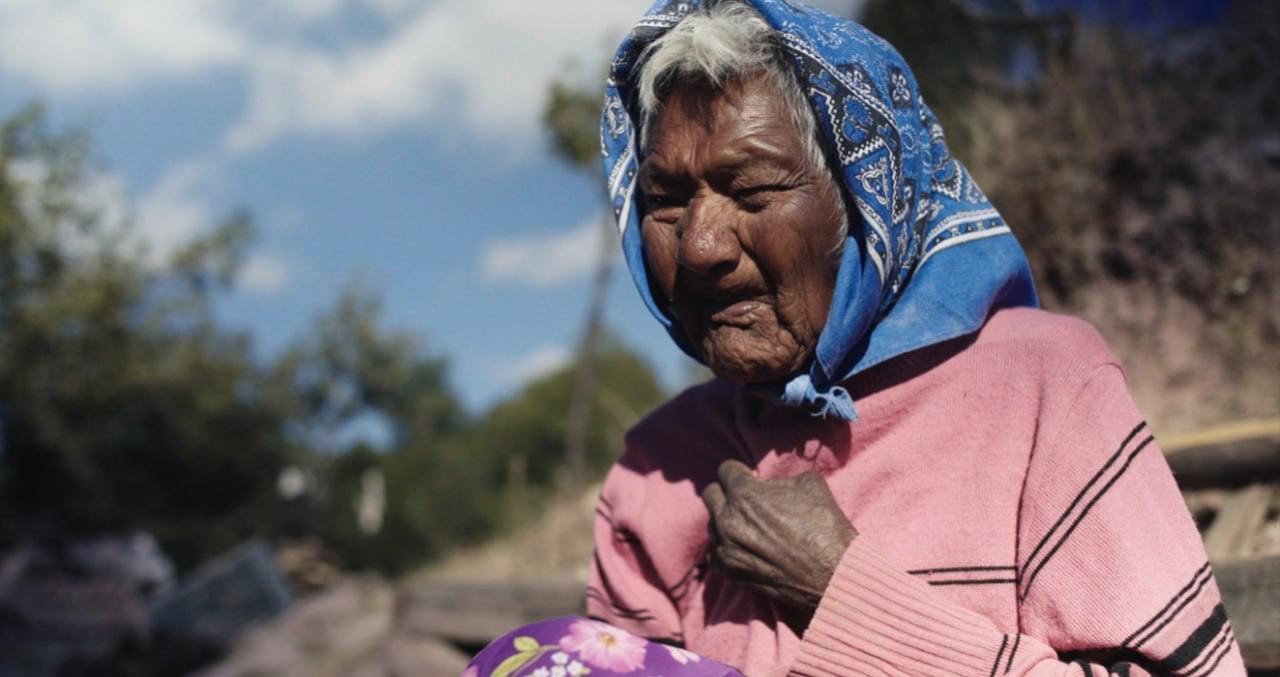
[(1215, 627), (947, 570), (1012, 652), (1222, 653), (967, 575), (1080, 496), (1224, 639), (975, 581), (1185, 596), (1004, 641), (1196, 643), (1085, 511)]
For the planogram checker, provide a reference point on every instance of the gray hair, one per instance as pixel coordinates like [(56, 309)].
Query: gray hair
[(717, 45)]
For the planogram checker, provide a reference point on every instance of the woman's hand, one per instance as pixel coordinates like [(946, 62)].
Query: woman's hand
[(783, 537)]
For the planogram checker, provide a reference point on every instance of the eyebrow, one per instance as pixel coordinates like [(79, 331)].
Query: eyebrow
[(734, 159)]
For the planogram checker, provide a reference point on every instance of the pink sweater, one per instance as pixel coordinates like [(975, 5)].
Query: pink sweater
[(1015, 517)]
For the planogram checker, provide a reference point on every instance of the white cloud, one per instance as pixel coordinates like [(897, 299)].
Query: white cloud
[(540, 362), (482, 63), (264, 274), (75, 46), (545, 260), (179, 208), (176, 208)]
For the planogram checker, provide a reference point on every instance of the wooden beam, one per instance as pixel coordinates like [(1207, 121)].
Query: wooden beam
[(472, 613), (1251, 594), (1234, 455), (1238, 524)]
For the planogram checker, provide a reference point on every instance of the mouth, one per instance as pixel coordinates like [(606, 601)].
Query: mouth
[(736, 313)]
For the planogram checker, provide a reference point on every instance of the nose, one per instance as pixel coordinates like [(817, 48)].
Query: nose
[(709, 245)]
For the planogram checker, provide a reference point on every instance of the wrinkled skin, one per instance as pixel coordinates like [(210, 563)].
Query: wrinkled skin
[(740, 230), (741, 235), (782, 537)]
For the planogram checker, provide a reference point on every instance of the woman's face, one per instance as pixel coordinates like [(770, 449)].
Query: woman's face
[(739, 228)]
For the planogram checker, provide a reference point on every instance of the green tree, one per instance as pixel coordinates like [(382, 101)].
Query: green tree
[(351, 369), (124, 406), (529, 429), (348, 365), (493, 474)]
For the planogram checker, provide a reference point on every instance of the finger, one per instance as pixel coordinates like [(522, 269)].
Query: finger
[(733, 473), (812, 481), (744, 568), (713, 497)]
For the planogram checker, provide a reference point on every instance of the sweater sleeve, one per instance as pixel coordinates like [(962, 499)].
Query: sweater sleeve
[(1112, 575), (623, 586)]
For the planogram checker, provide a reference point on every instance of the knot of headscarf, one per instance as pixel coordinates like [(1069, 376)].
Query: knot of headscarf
[(834, 401), (927, 258)]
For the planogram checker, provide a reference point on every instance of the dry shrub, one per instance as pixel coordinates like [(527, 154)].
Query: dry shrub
[(1145, 185)]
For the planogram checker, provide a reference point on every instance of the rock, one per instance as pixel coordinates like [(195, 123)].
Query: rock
[(348, 630)]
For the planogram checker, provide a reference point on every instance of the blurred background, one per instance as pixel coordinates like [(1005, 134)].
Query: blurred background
[(314, 342)]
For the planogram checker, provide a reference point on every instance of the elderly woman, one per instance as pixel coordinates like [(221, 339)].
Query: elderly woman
[(903, 467)]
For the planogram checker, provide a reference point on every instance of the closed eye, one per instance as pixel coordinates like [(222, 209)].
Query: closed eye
[(748, 191), (655, 201), (758, 197)]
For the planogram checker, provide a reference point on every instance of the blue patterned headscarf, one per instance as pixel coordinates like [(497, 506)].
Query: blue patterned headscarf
[(930, 257)]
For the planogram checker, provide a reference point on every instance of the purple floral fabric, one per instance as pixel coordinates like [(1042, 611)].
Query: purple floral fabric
[(573, 646)]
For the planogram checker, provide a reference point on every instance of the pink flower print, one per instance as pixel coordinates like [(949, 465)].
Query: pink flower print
[(604, 646), (683, 656)]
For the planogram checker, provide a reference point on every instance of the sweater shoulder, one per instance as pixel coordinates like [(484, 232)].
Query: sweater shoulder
[(1049, 339)]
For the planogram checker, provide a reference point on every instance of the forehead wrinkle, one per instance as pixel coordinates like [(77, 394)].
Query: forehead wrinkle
[(758, 137), (753, 148)]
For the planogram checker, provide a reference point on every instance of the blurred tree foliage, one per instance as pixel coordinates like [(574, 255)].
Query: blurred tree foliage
[(124, 405), (1139, 166), (572, 117), (484, 475), (958, 49)]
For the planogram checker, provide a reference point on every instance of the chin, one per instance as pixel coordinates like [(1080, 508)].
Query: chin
[(747, 370), (751, 355)]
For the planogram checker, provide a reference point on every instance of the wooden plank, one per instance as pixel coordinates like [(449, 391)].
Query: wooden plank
[(1238, 523), (1235, 455), (1251, 593), (1222, 433), (473, 613)]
